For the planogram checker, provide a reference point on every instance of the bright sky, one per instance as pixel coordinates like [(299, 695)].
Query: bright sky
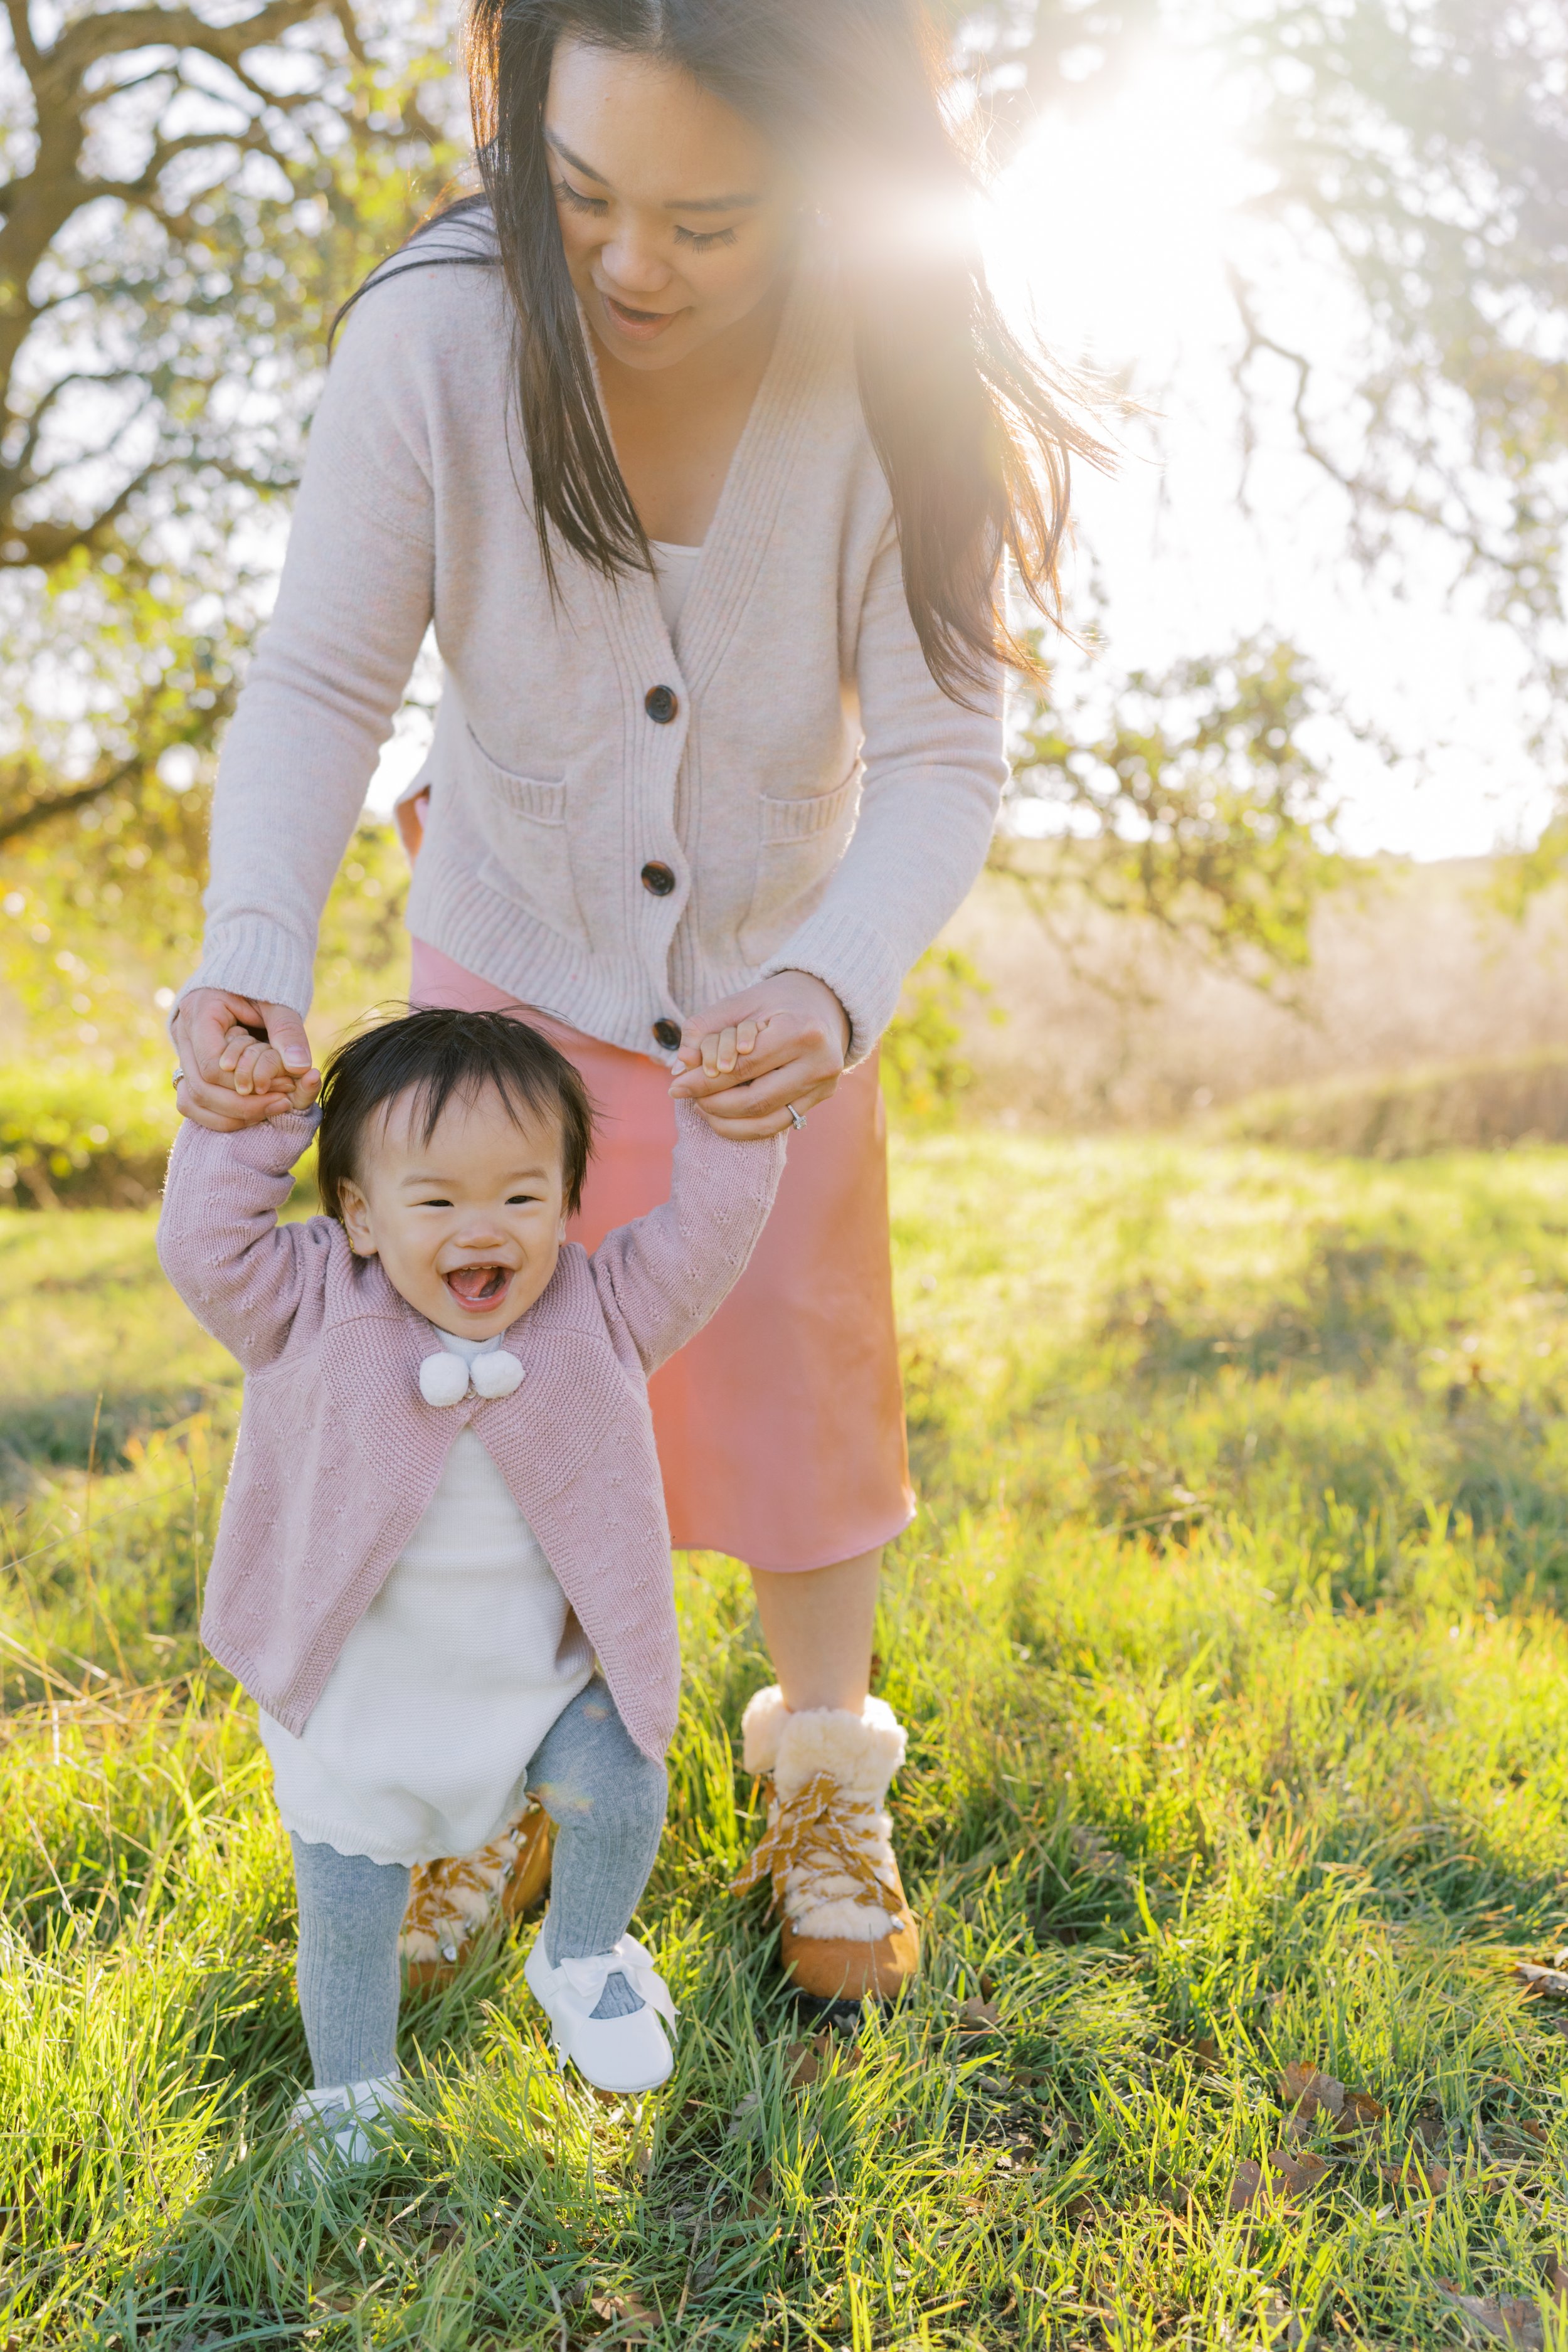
[(1116, 230)]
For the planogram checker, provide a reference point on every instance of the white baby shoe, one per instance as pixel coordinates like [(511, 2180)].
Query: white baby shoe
[(346, 2124), (624, 2055)]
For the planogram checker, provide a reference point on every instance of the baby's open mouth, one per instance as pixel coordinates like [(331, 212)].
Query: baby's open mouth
[(477, 1286)]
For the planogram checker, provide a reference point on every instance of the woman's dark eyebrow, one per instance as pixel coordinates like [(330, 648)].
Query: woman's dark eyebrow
[(696, 204)]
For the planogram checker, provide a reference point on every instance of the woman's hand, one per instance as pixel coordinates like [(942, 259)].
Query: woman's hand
[(801, 1035), (241, 1061)]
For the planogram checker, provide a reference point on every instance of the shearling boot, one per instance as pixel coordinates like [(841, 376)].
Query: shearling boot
[(452, 1903), (848, 1930)]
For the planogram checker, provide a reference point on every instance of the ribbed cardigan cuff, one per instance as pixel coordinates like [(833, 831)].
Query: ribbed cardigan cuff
[(864, 970), (259, 959)]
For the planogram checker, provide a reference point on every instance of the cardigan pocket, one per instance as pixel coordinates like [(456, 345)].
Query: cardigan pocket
[(800, 843), (524, 823)]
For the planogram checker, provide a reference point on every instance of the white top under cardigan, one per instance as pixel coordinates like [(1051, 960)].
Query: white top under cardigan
[(785, 752), (420, 1745)]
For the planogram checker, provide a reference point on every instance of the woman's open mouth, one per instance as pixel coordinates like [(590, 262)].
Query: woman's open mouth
[(646, 326), (478, 1286)]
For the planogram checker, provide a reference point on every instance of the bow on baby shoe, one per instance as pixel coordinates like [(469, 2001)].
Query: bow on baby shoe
[(587, 1978), (444, 1379)]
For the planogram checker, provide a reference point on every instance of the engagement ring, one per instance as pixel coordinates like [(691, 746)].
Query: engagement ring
[(179, 1073), (797, 1115)]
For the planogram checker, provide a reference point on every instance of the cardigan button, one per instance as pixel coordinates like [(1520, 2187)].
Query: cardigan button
[(668, 1034), (658, 878), (660, 703)]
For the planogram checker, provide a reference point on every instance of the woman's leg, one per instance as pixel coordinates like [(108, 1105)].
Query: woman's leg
[(608, 1801), (819, 1624), (829, 1751), (350, 1913)]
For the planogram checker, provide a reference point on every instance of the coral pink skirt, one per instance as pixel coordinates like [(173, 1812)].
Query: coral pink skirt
[(781, 1426)]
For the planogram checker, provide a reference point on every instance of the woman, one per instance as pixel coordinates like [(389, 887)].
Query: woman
[(697, 438)]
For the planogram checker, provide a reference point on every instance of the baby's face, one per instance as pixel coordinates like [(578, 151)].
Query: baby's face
[(468, 1225)]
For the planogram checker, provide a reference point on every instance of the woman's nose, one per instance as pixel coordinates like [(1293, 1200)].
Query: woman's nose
[(632, 264)]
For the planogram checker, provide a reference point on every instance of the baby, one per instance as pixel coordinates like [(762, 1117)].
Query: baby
[(443, 1564)]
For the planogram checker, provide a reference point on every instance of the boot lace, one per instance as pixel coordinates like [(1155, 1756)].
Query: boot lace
[(820, 1831)]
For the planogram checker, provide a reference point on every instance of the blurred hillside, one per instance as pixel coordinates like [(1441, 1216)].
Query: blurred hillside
[(1111, 1024)]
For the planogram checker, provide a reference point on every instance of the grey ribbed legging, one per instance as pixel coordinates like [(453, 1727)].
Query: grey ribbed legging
[(607, 1801)]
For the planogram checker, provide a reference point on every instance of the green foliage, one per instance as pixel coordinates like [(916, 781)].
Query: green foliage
[(1464, 1105), (924, 1072), (1230, 1645), (1194, 800), (72, 1133), (102, 921), (154, 406)]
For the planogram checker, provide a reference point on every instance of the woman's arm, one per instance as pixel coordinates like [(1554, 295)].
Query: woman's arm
[(323, 689), (933, 784)]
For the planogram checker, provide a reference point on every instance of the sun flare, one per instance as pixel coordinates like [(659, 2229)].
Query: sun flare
[(1109, 229)]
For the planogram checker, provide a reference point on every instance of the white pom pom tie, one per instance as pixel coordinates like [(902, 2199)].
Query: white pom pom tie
[(443, 1379), (496, 1374)]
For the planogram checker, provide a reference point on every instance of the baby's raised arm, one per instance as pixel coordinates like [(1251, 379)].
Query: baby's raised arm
[(669, 1271), (244, 1277)]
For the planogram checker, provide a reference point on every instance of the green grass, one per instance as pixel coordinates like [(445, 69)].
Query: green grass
[(1230, 1642)]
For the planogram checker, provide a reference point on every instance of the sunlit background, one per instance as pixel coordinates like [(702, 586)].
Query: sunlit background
[(1115, 229)]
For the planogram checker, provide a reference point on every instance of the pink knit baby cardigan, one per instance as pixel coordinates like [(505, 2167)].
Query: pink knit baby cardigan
[(339, 1454)]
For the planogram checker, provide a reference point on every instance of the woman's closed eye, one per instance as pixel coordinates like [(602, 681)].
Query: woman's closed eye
[(700, 240), (577, 200), (697, 239)]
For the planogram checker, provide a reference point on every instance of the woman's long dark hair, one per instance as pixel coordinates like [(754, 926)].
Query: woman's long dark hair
[(975, 433)]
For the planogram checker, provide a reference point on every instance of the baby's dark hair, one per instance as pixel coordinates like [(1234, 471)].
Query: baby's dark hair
[(441, 1053)]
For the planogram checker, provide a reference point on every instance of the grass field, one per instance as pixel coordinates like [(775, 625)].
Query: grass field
[(1230, 1641)]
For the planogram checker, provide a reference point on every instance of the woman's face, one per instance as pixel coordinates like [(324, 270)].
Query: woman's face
[(673, 210)]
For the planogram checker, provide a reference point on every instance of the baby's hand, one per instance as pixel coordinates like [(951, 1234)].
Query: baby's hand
[(242, 1046), (721, 1049)]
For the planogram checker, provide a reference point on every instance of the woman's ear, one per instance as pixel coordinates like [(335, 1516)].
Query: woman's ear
[(355, 1213)]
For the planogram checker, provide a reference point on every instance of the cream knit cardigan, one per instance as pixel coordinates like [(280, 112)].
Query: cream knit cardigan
[(820, 803)]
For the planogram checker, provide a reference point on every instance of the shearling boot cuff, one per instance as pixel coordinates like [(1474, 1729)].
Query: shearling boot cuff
[(860, 1752)]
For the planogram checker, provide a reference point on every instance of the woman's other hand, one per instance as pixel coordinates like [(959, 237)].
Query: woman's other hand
[(241, 1061), (796, 1056)]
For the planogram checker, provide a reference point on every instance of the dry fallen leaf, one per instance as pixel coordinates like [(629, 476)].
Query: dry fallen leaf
[(1422, 2176), (1556, 2279), (629, 2316), (1309, 2092), (980, 2016), (1290, 2174), (1247, 2185), (1514, 2320), (1297, 2172), (1549, 1983), (803, 2065), (805, 2062), (760, 2200)]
